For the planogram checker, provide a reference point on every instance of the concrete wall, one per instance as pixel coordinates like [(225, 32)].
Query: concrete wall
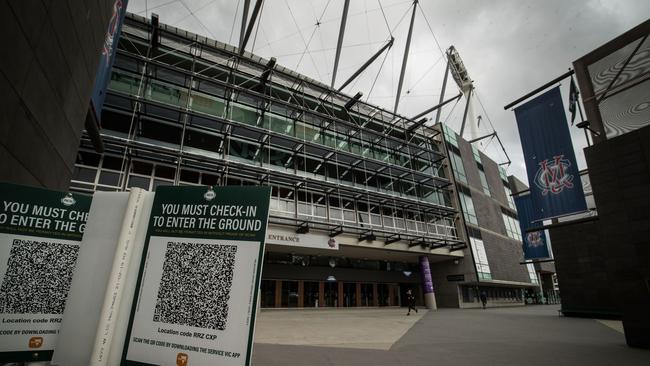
[(51, 52)]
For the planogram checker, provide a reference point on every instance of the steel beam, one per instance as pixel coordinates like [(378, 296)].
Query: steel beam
[(365, 65), (437, 106), (482, 137), (251, 24), (469, 97), (556, 80), (406, 57), (244, 18), (442, 92), (344, 19)]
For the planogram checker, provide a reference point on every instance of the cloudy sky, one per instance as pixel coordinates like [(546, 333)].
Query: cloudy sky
[(509, 48)]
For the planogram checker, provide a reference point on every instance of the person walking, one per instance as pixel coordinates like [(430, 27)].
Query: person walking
[(410, 300), (483, 298)]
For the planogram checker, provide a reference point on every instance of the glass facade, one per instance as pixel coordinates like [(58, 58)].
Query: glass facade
[(191, 112)]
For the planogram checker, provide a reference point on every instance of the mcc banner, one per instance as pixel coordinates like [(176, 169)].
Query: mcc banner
[(196, 298), (534, 243), (555, 187), (40, 235)]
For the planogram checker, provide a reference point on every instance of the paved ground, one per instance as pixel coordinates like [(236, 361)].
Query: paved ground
[(374, 328), (532, 335)]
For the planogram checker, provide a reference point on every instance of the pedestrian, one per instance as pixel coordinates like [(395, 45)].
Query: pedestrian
[(410, 300), (483, 298)]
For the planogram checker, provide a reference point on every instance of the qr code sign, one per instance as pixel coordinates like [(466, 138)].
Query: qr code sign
[(38, 277), (195, 285)]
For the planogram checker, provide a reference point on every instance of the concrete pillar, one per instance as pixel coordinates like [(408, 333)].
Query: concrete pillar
[(427, 283)]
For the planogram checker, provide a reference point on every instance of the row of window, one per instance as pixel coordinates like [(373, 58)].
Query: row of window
[(195, 60), (105, 172), (330, 135)]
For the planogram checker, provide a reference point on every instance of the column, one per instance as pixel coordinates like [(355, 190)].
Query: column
[(427, 283), (278, 294), (301, 294), (375, 295), (358, 290), (321, 294)]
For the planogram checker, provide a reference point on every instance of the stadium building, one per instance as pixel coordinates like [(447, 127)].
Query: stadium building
[(362, 198)]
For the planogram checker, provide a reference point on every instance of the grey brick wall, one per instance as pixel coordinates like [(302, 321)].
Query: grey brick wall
[(52, 50), (504, 254)]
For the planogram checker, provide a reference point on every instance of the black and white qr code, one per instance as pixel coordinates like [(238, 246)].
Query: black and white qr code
[(38, 277), (195, 285)]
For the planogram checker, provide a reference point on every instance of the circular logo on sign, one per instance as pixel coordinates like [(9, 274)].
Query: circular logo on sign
[(209, 195), (331, 243), (68, 200)]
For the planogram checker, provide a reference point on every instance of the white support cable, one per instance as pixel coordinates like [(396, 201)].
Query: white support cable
[(431, 30), (408, 90), (452, 111), (384, 15), (234, 20), (197, 18), (303, 40), (258, 26), (146, 10), (377, 76)]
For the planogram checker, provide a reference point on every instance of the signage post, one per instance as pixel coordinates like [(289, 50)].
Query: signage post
[(196, 297), (40, 234)]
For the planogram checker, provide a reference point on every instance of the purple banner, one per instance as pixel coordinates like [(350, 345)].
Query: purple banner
[(425, 270)]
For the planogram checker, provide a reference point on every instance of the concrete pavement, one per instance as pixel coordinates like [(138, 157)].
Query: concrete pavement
[(532, 335), (373, 328)]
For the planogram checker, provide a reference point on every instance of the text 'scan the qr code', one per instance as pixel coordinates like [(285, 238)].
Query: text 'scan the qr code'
[(38, 277), (195, 285)]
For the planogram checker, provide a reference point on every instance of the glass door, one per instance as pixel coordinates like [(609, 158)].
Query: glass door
[(311, 294)]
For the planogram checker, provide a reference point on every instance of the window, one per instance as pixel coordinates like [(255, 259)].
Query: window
[(502, 173), (532, 273), (512, 226), (480, 257), (484, 183), (450, 135), (468, 208), (477, 155), (124, 82), (207, 104), (457, 165), (511, 201)]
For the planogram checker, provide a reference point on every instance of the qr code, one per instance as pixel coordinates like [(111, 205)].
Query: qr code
[(195, 285), (38, 277)]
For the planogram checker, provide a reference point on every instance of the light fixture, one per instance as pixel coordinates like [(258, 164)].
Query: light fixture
[(586, 125), (330, 279), (407, 273)]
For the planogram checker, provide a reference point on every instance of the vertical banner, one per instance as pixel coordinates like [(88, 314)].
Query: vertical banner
[(534, 243), (103, 75), (196, 297), (555, 186), (40, 233)]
